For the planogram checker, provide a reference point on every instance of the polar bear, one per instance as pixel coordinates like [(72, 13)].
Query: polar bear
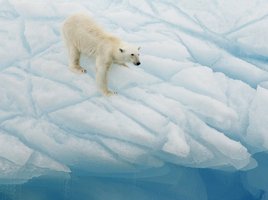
[(82, 35)]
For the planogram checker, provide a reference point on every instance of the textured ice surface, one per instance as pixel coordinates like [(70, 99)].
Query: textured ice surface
[(199, 99)]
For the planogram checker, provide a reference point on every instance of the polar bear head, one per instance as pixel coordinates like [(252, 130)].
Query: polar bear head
[(130, 53)]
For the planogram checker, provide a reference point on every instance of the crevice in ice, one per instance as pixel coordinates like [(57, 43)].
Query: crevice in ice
[(246, 25), (44, 50), (69, 85), (93, 134), (23, 37), (7, 10), (182, 12), (96, 136), (30, 91), (143, 125), (188, 49), (151, 5), (114, 154), (62, 107)]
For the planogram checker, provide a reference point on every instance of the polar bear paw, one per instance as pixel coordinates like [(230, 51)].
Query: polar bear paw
[(109, 93), (78, 70)]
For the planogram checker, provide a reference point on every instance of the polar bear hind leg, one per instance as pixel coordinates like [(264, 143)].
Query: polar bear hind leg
[(74, 65)]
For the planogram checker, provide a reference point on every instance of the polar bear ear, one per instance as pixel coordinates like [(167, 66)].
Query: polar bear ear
[(121, 50)]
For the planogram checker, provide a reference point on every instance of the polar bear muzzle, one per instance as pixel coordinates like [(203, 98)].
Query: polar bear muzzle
[(138, 63), (135, 59)]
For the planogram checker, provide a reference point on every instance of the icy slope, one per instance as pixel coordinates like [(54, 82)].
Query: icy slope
[(199, 99)]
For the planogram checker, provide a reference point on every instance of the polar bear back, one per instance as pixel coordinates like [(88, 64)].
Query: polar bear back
[(83, 33)]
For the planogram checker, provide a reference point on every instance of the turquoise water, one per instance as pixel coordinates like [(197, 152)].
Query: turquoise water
[(178, 183)]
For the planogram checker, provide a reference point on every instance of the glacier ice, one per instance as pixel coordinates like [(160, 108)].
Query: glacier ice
[(194, 115)]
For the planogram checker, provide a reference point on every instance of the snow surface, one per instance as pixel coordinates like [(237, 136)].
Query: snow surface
[(199, 99)]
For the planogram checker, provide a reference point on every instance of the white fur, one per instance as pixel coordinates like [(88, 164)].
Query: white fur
[(83, 35)]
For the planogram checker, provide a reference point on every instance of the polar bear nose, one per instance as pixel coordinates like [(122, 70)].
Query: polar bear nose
[(138, 63)]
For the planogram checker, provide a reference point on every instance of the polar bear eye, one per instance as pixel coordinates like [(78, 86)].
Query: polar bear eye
[(132, 54)]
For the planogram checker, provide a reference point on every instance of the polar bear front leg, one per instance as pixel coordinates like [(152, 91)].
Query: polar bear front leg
[(74, 61), (101, 78)]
